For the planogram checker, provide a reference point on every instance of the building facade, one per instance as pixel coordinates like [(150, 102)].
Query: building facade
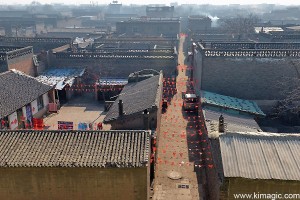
[(78, 165), (22, 99), (138, 106), (245, 70), (151, 27), (18, 58)]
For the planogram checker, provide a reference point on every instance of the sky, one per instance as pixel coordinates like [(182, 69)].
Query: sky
[(216, 2)]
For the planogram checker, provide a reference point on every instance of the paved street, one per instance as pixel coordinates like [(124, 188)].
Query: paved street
[(178, 150)]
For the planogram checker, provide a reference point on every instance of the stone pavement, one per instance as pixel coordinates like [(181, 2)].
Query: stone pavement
[(175, 153), (81, 109)]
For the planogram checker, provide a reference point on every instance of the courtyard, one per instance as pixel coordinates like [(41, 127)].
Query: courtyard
[(79, 110)]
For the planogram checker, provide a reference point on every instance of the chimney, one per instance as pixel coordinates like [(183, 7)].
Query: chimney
[(221, 124), (121, 112), (146, 119)]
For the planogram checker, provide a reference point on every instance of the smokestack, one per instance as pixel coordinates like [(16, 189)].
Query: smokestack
[(221, 124), (121, 107)]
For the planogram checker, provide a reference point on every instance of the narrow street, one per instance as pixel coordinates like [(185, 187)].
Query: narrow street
[(178, 171)]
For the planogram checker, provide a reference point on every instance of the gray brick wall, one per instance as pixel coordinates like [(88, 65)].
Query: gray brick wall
[(247, 78)]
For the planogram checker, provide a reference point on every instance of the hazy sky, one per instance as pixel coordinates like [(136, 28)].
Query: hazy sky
[(217, 2)]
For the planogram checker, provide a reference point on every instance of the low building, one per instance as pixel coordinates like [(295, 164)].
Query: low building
[(169, 27), (160, 11), (22, 98), (260, 164), (223, 114), (199, 24), (138, 106), (75, 165)]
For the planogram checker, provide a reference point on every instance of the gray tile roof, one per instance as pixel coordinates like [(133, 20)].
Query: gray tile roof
[(137, 97), (232, 122), (74, 148), (261, 155), (17, 90), (230, 102)]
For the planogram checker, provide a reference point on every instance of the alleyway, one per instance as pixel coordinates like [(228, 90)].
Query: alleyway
[(179, 169)]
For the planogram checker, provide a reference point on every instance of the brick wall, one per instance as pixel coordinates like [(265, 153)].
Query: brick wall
[(24, 64), (251, 186), (152, 28), (112, 67), (73, 183), (246, 78)]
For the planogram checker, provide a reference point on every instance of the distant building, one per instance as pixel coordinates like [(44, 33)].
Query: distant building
[(138, 106), (22, 98), (19, 58), (160, 11), (114, 7), (117, 57), (199, 24), (169, 27), (75, 165), (38, 43)]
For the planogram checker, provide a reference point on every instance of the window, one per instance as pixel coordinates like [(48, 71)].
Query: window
[(40, 103)]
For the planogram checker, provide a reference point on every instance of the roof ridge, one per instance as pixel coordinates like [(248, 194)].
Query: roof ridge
[(261, 134), (18, 72)]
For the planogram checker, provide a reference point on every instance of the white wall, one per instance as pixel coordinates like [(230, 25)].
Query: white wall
[(46, 99), (34, 107), (24, 112), (13, 121)]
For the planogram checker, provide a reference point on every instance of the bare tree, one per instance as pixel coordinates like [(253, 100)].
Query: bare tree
[(240, 26), (288, 108)]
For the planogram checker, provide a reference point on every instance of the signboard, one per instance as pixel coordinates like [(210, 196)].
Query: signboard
[(62, 125), (13, 121)]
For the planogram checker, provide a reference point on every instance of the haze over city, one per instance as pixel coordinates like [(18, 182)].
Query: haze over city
[(127, 2), (149, 100)]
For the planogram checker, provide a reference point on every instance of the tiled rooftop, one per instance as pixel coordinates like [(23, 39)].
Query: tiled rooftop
[(136, 97), (230, 102), (18, 89), (261, 155), (74, 148)]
